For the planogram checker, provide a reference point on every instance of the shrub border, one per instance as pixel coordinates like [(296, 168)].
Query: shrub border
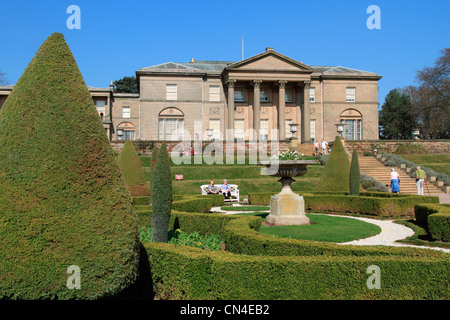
[(258, 266)]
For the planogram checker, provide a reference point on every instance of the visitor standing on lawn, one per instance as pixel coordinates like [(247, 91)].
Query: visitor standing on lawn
[(421, 178), (324, 145), (316, 148)]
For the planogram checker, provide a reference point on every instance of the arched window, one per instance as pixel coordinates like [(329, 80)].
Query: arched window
[(353, 124), (171, 124), (126, 131)]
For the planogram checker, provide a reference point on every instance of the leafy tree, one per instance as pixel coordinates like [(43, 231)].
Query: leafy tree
[(354, 175), (126, 85), (63, 201), (396, 117), (430, 99), (133, 173), (335, 176), (3, 80), (161, 196)]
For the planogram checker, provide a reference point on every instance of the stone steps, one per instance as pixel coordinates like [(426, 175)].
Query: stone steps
[(372, 167)]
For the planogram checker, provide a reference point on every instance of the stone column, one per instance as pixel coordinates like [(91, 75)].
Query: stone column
[(256, 106), (306, 113), (282, 110), (231, 83)]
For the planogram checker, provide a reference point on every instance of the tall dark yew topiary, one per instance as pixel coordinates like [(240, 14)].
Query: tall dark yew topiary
[(354, 179), (63, 201), (152, 169), (161, 196), (133, 173), (335, 176)]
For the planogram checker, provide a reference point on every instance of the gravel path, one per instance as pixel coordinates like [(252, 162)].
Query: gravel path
[(390, 232)]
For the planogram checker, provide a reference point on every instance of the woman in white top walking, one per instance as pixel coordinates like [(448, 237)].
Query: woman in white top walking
[(395, 181)]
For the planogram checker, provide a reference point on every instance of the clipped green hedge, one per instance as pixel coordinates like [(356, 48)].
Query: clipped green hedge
[(190, 273), (181, 203), (368, 203), (437, 219), (258, 266)]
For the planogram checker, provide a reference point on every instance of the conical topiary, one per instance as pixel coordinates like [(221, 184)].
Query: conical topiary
[(132, 170), (335, 176), (63, 201), (354, 179), (161, 196)]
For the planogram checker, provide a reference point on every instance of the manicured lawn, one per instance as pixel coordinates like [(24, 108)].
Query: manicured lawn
[(247, 176), (437, 162), (323, 228)]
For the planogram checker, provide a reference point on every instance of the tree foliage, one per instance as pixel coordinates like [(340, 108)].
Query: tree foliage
[(431, 98), (396, 117), (3, 79), (126, 85)]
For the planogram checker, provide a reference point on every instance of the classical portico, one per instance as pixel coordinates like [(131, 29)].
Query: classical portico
[(275, 89)]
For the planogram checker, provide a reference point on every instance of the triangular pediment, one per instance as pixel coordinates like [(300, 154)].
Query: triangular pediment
[(270, 61)]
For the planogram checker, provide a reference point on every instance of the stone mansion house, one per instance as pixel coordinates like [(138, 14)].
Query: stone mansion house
[(178, 101)]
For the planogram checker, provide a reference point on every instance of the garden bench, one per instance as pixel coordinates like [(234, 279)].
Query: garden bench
[(234, 190)]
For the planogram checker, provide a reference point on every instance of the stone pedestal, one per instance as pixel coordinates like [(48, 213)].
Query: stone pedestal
[(287, 208)]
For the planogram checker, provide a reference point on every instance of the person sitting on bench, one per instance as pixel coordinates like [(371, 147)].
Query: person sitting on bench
[(211, 188), (225, 189)]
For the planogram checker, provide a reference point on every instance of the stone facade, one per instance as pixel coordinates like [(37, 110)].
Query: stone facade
[(264, 93)]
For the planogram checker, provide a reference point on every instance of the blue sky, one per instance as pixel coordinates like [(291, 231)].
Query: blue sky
[(119, 37)]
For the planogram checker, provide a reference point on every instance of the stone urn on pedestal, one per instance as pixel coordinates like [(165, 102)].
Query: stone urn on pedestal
[(286, 208)]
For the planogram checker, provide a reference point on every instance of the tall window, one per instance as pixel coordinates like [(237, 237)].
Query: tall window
[(353, 124), (312, 130), (239, 94), (312, 94), (171, 91), (126, 112), (350, 93), (126, 131), (264, 130), (289, 94), (215, 125), (171, 124), (239, 129), (100, 106), (264, 95), (214, 93), (288, 128)]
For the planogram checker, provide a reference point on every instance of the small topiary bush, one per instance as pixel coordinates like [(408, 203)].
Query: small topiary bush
[(133, 173), (335, 176)]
